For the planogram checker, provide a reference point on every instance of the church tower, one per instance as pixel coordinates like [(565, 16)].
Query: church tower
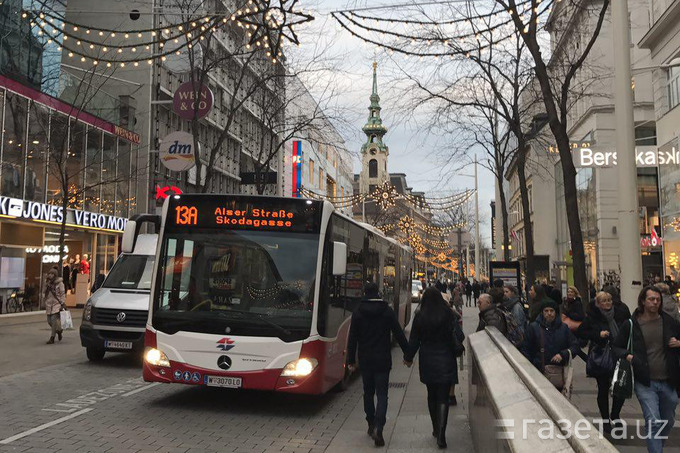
[(374, 152)]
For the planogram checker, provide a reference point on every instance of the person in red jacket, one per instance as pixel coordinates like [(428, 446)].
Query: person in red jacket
[(85, 265)]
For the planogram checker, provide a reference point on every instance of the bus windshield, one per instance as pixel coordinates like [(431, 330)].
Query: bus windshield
[(257, 283)]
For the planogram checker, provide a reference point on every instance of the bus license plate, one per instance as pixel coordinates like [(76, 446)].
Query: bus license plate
[(118, 344), (222, 381)]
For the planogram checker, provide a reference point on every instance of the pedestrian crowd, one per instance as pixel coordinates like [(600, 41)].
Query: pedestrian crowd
[(626, 353)]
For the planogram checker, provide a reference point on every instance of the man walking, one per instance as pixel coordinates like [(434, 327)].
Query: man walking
[(468, 293), (372, 323), (654, 357), (490, 315)]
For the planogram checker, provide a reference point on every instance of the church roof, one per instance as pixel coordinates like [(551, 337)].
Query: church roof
[(374, 126)]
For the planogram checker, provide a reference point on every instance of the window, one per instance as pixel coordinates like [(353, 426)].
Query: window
[(16, 115), (74, 164), (108, 175), (311, 172), (673, 86), (37, 149), (93, 170), (372, 138), (373, 168), (123, 178), (321, 178), (58, 143)]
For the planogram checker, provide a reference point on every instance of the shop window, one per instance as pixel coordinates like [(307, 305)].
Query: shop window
[(93, 170), (16, 117), (123, 178), (57, 151), (75, 162), (108, 199), (37, 149)]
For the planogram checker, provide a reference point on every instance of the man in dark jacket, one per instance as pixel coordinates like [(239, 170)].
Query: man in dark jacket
[(654, 357), (468, 294), (548, 340), (372, 323), (476, 289), (490, 315)]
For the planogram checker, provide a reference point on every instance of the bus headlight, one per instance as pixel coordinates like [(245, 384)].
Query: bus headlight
[(300, 367), (157, 358)]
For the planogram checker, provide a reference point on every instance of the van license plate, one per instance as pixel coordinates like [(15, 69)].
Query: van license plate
[(222, 381), (118, 344)]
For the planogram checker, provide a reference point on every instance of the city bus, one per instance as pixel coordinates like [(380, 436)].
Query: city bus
[(257, 292)]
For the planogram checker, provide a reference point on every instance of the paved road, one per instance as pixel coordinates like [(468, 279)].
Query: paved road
[(106, 406)]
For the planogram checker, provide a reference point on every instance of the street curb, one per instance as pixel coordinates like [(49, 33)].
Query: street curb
[(33, 317)]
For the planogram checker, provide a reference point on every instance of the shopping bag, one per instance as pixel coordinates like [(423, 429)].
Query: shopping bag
[(66, 320), (623, 380)]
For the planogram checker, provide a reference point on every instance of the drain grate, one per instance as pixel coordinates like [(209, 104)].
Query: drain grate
[(397, 385)]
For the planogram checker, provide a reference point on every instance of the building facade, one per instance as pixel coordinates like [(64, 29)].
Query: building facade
[(321, 158), (662, 38)]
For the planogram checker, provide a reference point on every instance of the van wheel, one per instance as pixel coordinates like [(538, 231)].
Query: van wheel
[(95, 354)]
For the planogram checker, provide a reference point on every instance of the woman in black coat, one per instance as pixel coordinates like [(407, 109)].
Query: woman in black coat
[(435, 329), (600, 327)]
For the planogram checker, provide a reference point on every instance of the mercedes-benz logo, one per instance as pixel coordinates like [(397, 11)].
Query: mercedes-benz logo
[(224, 362), (121, 316)]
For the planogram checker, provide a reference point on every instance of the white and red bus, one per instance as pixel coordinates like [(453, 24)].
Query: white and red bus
[(258, 292)]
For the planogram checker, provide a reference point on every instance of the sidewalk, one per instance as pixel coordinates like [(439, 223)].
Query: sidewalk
[(585, 399), (408, 427)]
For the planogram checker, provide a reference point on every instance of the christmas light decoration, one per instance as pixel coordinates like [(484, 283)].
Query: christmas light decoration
[(269, 21)]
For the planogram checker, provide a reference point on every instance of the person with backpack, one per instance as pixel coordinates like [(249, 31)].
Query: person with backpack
[(548, 342), (514, 331), (600, 327), (438, 336), (490, 315), (372, 323), (513, 304)]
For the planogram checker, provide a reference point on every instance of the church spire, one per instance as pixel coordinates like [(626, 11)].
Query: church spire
[(374, 128)]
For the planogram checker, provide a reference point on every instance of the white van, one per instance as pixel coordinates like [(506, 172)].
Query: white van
[(114, 318)]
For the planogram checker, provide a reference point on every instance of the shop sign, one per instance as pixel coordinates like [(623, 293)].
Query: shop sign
[(644, 157), (166, 191), (127, 135), (47, 213), (188, 101), (50, 253), (651, 240), (177, 151)]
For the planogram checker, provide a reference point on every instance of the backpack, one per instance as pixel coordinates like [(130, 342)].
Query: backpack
[(515, 332)]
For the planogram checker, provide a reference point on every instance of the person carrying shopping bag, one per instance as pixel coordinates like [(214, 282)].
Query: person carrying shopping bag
[(55, 300)]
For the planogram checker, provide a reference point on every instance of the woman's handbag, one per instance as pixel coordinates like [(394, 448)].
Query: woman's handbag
[(623, 380), (600, 360), (458, 346), (554, 373)]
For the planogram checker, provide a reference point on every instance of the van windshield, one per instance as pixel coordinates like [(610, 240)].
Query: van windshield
[(131, 272)]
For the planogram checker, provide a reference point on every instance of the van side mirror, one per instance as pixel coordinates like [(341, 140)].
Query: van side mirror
[(129, 236), (339, 258)]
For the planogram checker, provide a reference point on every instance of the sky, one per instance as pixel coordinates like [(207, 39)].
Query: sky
[(413, 150)]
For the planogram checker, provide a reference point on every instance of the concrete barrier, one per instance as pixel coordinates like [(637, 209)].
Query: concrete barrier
[(514, 408)]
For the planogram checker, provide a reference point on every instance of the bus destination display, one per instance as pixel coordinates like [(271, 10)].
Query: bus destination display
[(244, 213)]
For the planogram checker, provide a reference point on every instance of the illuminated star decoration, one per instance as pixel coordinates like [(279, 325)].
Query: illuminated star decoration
[(406, 224), (385, 195), (267, 22)]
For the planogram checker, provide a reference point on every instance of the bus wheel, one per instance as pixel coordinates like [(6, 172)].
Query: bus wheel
[(95, 354)]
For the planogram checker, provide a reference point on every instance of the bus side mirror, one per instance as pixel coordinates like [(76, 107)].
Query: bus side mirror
[(129, 236), (339, 258)]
